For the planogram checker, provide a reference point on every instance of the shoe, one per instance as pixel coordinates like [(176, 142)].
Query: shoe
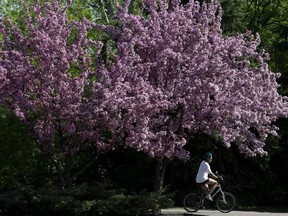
[(209, 197)]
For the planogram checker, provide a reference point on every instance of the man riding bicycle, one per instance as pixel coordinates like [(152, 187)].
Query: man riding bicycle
[(204, 172)]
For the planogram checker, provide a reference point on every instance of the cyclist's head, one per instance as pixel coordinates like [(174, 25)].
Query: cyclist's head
[(207, 155)]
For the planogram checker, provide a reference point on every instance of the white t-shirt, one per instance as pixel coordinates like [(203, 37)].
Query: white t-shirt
[(203, 171)]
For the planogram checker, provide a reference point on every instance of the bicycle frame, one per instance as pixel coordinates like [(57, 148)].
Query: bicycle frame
[(217, 191)]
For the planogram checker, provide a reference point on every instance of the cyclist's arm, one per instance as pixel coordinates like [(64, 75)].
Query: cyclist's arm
[(213, 175), (210, 173)]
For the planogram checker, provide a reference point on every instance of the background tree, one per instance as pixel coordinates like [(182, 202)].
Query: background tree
[(48, 81)]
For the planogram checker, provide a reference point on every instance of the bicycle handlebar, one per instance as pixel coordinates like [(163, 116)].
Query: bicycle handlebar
[(220, 177)]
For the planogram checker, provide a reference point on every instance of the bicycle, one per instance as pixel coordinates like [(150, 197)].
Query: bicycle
[(225, 201)]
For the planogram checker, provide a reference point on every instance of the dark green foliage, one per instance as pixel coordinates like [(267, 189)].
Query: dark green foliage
[(232, 18), (86, 199), (22, 163), (124, 168)]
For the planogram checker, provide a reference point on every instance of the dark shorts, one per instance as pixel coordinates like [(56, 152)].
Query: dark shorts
[(202, 183)]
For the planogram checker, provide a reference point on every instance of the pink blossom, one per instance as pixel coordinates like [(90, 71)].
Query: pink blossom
[(38, 84), (182, 76)]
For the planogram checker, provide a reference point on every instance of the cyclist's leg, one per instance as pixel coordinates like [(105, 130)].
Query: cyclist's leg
[(212, 184), (205, 186)]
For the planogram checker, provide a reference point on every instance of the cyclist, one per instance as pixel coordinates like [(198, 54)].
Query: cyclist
[(204, 172)]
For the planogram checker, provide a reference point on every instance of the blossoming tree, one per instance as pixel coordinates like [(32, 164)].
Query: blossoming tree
[(176, 75), (47, 78)]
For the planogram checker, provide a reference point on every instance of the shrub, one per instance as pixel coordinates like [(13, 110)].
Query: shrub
[(82, 200)]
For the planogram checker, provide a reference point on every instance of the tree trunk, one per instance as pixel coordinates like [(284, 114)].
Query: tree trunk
[(160, 173), (65, 176), (63, 171)]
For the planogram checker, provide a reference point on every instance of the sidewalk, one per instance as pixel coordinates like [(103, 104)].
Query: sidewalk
[(204, 212)]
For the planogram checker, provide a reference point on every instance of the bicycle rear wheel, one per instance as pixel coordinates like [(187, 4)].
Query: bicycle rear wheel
[(192, 202), (226, 203)]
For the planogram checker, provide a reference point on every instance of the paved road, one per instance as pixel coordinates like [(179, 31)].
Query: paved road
[(202, 212)]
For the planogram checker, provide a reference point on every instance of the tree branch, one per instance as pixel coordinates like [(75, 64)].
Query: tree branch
[(87, 165)]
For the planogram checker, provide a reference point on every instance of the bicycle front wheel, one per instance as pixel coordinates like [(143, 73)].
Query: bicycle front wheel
[(192, 202), (225, 203)]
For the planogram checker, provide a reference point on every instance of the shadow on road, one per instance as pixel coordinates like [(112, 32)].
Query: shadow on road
[(194, 214), (185, 214)]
